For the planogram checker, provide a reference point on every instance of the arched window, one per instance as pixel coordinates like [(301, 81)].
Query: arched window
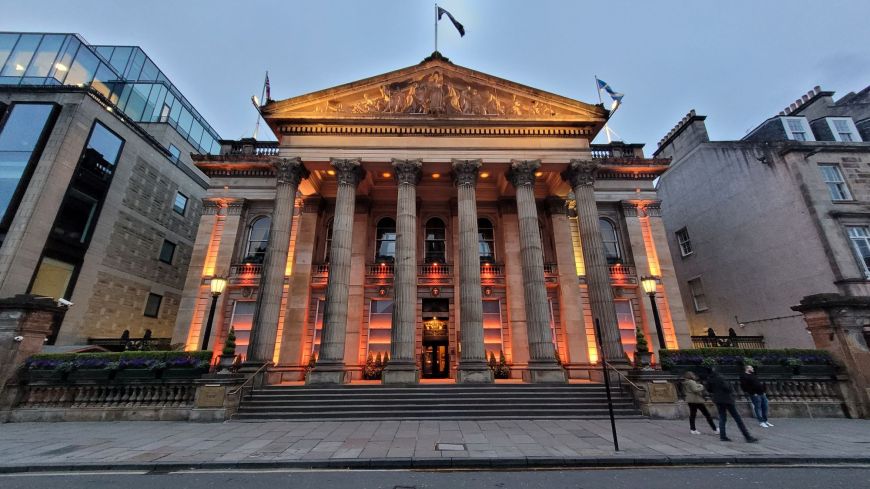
[(258, 239), (486, 240), (610, 240), (436, 240), (385, 244), (328, 241)]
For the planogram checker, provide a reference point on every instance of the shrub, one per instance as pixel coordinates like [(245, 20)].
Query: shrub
[(742, 356), (642, 346), (502, 371), (230, 343)]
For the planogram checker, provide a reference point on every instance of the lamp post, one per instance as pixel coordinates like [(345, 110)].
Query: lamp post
[(649, 286), (217, 285)]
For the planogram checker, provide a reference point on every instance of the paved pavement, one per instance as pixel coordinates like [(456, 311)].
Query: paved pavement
[(424, 444)]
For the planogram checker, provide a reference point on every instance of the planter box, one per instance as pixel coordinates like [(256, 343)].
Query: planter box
[(91, 374), (136, 374), (815, 370), (183, 373)]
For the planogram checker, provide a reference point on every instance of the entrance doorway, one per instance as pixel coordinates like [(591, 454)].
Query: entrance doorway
[(435, 361)]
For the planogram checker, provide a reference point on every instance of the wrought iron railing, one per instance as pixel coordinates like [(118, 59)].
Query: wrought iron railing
[(728, 341)]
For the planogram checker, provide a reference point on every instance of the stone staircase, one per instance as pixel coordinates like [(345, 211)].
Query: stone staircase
[(434, 401)]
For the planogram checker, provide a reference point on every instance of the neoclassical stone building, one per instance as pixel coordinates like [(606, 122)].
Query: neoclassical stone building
[(436, 214)]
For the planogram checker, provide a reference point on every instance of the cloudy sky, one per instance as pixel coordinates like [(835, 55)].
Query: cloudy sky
[(738, 62)]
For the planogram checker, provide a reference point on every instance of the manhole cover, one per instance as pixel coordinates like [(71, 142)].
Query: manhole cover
[(455, 447)]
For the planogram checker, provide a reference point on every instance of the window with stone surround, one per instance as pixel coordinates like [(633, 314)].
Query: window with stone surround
[(385, 242), (486, 240), (860, 237), (610, 239), (179, 205), (699, 298), (241, 321), (685, 242), (167, 251), (436, 239), (835, 182), (152, 305), (258, 240)]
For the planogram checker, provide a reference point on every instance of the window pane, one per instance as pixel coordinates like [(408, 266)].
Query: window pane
[(45, 55), (242, 320), (18, 139), (627, 327), (120, 58), (75, 217), (105, 81), (492, 337), (149, 71), (7, 42), (105, 143), (83, 68), (20, 57), (380, 322), (180, 204), (62, 66), (136, 103), (135, 66), (152, 305), (167, 251), (52, 278)]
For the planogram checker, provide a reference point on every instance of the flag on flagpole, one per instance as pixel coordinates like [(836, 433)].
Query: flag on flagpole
[(459, 27), (614, 95)]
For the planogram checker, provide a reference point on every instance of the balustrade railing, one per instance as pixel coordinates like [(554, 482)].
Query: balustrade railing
[(380, 270), (551, 269), (434, 270), (491, 272), (109, 395), (796, 389), (728, 341), (258, 148)]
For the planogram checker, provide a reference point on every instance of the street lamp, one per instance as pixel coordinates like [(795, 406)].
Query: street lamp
[(649, 286), (217, 285)]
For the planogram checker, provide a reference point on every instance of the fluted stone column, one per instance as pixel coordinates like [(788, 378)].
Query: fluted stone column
[(542, 355), (289, 172), (330, 364), (472, 354), (581, 176), (402, 368)]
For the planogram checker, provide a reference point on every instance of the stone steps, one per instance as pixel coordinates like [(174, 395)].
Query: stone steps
[(438, 401)]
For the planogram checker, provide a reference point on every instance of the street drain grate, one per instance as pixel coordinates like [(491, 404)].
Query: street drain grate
[(450, 447)]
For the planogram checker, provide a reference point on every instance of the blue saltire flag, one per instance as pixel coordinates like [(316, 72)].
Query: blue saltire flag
[(616, 96)]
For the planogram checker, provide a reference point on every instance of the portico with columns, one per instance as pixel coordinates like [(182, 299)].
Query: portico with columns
[(433, 220)]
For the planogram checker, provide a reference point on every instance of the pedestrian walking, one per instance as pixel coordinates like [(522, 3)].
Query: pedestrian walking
[(757, 393), (695, 399), (723, 397)]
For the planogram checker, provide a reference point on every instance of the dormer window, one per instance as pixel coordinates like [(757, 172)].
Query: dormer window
[(797, 129), (843, 129)]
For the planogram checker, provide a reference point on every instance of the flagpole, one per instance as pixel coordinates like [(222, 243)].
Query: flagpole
[(262, 101), (606, 129), (436, 27)]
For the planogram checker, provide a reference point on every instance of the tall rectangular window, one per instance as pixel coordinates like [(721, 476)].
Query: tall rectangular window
[(492, 338), (167, 251), (241, 322), (627, 326), (175, 152), (20, 136), (152, 305), (699, 298), (318, 327), (833, 178), (860, 237), (380, 324), (684, 242)]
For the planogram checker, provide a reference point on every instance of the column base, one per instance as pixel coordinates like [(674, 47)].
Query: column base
[(331, 373), (545, 373), (474, 373), (401, 373)]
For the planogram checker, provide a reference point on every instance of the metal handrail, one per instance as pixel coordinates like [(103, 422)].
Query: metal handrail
[(249, 379), (622, 375)]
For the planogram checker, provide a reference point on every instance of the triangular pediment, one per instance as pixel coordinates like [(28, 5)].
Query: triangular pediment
[(437, 90)]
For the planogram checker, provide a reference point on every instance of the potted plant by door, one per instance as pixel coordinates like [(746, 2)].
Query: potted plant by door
[(228, 354), (642, 355)]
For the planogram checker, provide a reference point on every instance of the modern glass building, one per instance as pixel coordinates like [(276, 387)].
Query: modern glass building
[(125, 75)]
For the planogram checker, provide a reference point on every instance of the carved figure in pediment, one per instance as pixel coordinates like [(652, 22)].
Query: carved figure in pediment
[(435, 92), (493, 105), (454, 97), (466, 100), (334, 106)]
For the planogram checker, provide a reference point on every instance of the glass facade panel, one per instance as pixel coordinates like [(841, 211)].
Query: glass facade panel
[(52, 278), (61, 67), (105, 82), (17, 63), (135, 66), (83, 69), (18, 139), (120, 58), (105, 143), (149, 71), (7, 42), (45, 55)]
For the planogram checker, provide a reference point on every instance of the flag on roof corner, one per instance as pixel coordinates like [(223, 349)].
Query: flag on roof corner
[(614, 95), (459, 27)]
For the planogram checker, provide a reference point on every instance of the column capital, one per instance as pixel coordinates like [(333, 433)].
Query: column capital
[(522, 172), (407, 171), (290, 171), (580, 173), (465, 172), (348, 171), (235, 207), (642, 208)]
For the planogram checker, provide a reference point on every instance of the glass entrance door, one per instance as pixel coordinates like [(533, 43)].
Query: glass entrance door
[(435, 361)]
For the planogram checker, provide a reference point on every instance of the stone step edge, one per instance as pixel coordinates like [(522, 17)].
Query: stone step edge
[(614, 461)]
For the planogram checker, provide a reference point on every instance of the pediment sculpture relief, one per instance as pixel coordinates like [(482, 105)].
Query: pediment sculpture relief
[(435, 94)]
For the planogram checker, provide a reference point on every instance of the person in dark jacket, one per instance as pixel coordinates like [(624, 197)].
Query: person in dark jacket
[(723, 397), (757, 393)]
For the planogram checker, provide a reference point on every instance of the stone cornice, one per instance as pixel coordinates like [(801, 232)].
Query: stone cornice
[(437, 128)]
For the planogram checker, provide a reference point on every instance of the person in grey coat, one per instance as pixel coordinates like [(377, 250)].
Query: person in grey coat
[(694, 392)]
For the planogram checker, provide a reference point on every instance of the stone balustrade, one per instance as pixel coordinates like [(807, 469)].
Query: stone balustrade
[(108, 395)]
